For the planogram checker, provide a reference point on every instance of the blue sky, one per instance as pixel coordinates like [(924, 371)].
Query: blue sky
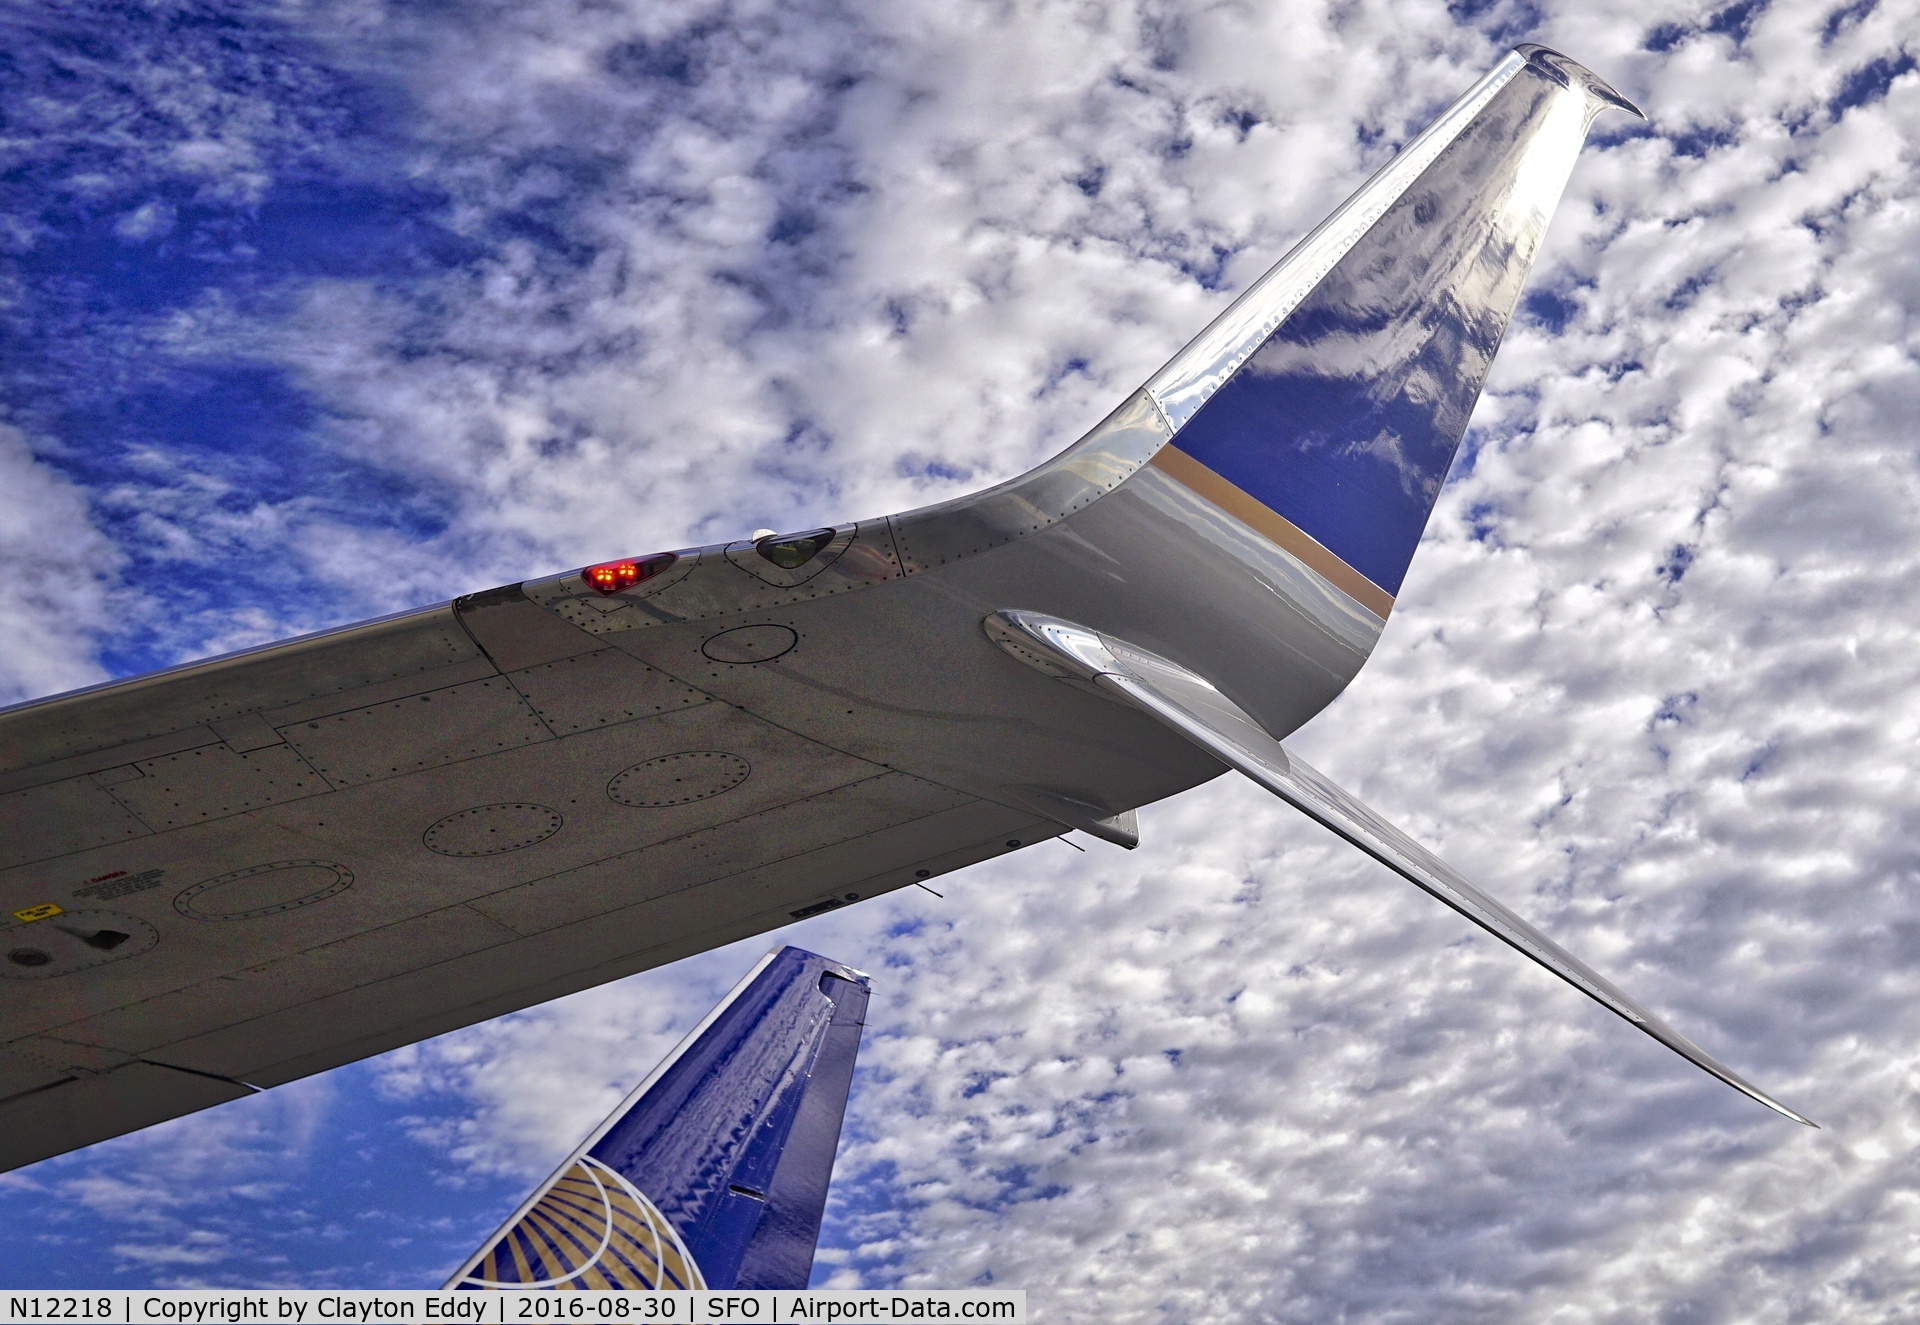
[(323, 308)]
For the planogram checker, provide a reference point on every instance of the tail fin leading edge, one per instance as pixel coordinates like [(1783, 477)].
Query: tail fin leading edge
[(713, 1173), (1325, 406)]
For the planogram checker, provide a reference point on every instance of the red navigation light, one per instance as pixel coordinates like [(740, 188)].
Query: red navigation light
[(613, 576)]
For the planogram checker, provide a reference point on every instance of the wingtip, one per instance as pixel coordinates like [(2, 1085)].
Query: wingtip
[(1569, 72), (1800, 1118), (1766, 1099)]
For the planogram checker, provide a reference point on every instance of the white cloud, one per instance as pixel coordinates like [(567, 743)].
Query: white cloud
[(150, 220), (60, 572), (199, 1247), (531, 1101)]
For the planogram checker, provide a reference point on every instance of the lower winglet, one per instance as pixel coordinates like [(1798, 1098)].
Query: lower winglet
[(1192, 706)]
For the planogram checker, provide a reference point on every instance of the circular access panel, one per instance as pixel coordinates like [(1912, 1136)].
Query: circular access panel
[(264, 890), (677, 779), (750, 644), (493, 830), (71, 941)]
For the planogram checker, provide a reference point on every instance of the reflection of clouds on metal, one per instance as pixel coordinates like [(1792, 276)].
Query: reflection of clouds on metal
[(1325, 406), (592, 1229), (264, 890), (1192, 376)]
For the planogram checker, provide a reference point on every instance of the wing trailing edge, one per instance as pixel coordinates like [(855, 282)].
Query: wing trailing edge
[(1192, 706)]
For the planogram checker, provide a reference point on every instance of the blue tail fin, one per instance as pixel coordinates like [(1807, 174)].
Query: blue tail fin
[(713, 1173)]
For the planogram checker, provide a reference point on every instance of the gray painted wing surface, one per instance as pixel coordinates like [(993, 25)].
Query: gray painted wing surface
[(251, 869), (1193, 707)]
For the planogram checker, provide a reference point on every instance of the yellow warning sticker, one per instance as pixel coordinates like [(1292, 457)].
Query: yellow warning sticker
[(43, 911)]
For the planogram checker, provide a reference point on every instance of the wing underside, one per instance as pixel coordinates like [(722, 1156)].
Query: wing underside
[(336, 877)]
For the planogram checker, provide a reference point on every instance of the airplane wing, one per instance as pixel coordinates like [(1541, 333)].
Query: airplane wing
[(241, 871), (713, 1172)]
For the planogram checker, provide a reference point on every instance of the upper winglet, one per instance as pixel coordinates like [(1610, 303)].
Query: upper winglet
[(1325, 406), (1192, 706), (1191, 377)]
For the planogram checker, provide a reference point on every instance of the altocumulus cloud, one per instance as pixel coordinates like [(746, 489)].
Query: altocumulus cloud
[(338, 308)]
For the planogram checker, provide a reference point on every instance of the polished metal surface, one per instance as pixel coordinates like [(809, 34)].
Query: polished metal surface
[(1190, 705), (1209, 359), (1330, 416), (712, 582), (1570, 73), (1204, 365)]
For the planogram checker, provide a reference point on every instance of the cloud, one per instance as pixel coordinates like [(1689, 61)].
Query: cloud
[(638, 277), (520, 1103), (199, 1248), (60, 575), (150, 220)]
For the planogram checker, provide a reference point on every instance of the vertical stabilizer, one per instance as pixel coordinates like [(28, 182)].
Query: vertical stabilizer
[(713, 1173)]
